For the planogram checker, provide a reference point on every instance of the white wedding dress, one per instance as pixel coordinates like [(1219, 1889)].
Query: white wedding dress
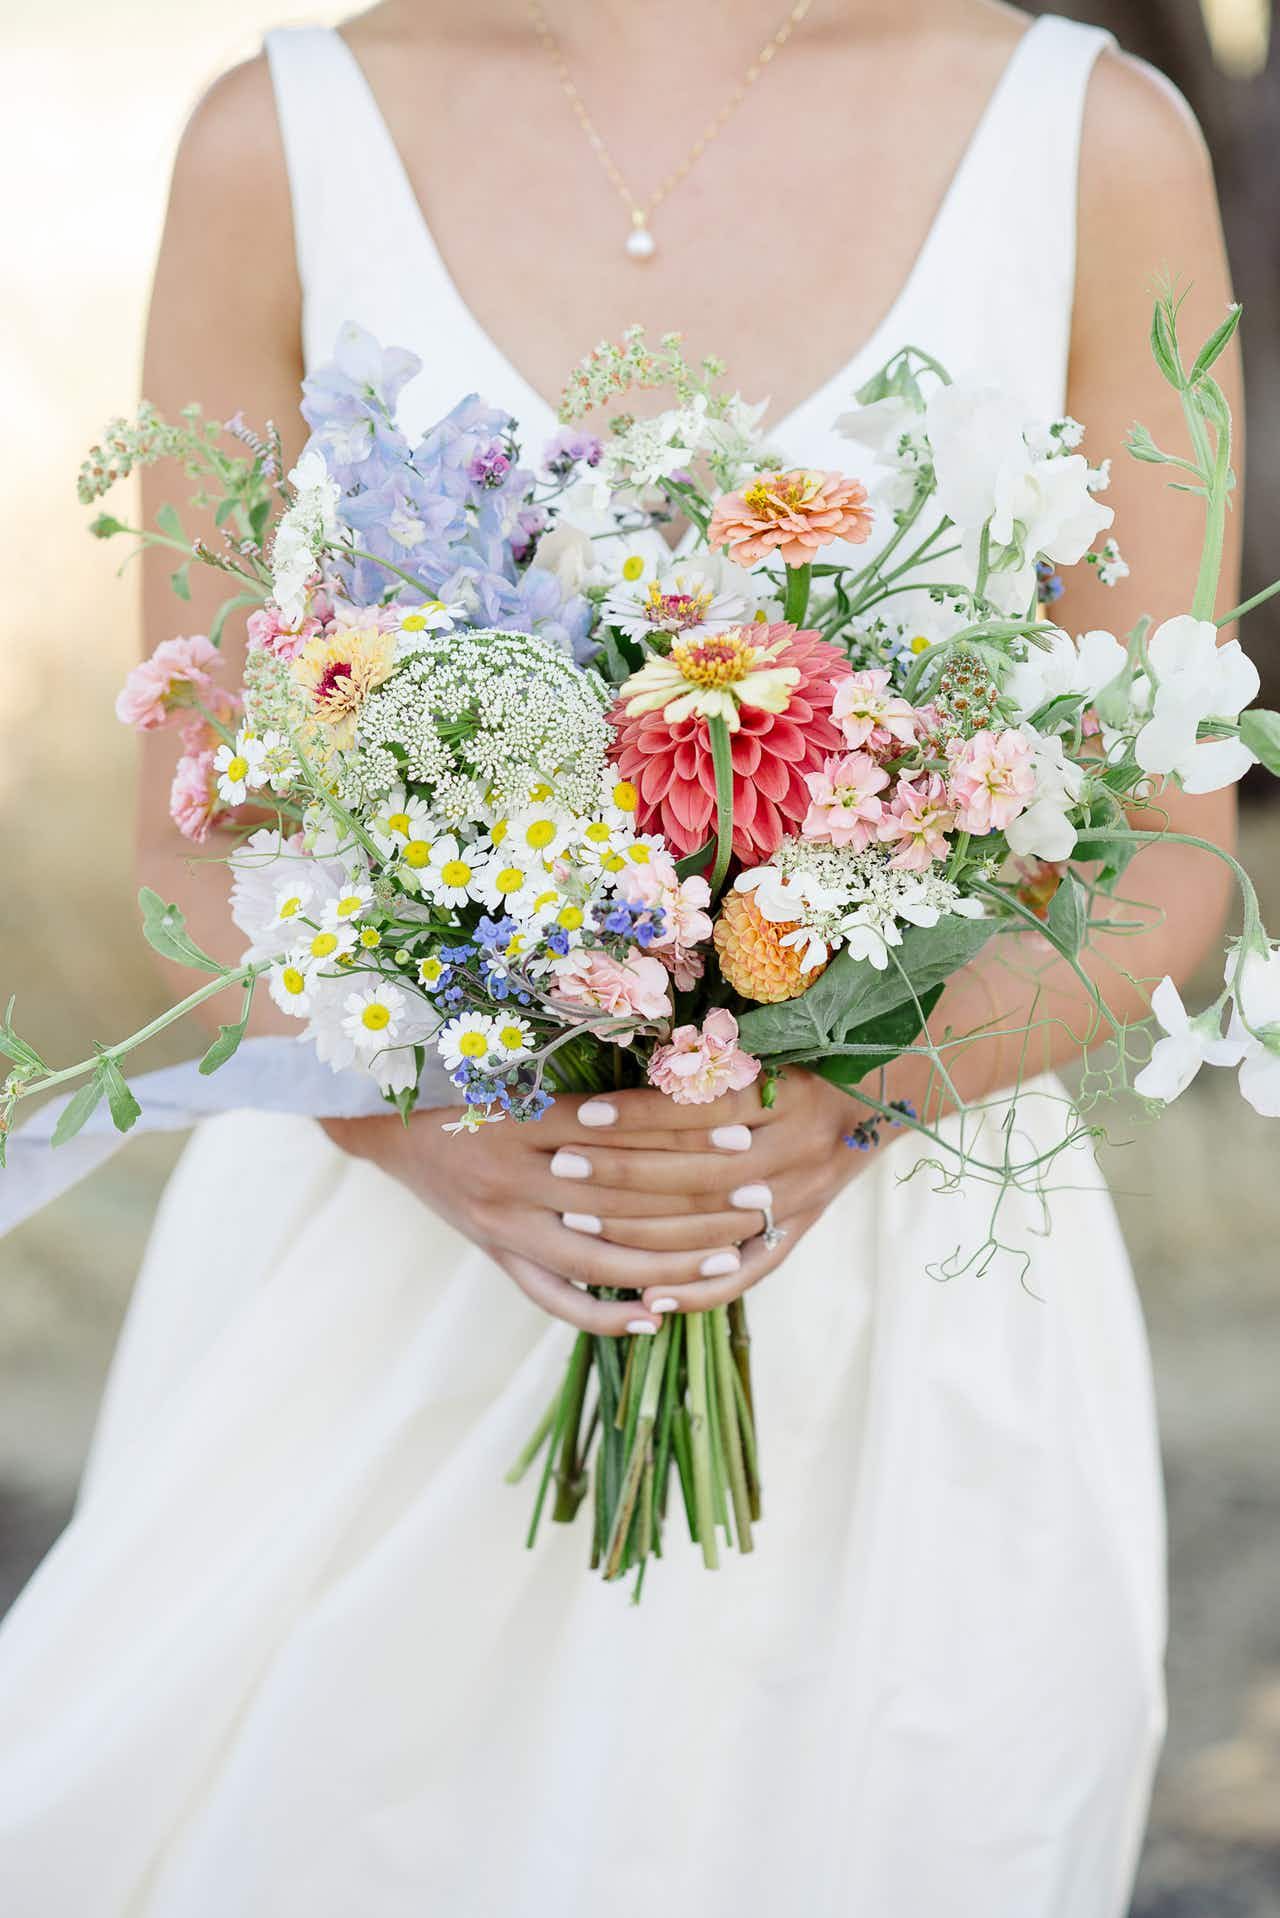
[(291, 1659)]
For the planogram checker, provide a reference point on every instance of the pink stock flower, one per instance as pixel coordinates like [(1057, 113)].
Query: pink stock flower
[(633, 988), (991, 780), (793, 514), (683, 903), (269, 634), (193, 796), (872, 719), (844, 809), (918, 822), (698, 1066), (176, 672)]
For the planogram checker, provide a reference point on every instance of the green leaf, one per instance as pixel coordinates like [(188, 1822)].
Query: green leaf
[(124, 1107), (694, 862), (1068, 915), (1217, 343), (181, 580), (893, 1032), (259, 514), (164, 928), (1260, 732), (79, 1108), (223, 511), (226, 1043), (16, 1049), (1164, 346), (851, 992), (106, 525), (168, 521)]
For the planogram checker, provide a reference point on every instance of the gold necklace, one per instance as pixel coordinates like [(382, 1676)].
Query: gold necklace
[(640, 242)]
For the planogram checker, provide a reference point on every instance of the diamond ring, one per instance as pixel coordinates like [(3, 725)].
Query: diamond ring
[(773, 1234)]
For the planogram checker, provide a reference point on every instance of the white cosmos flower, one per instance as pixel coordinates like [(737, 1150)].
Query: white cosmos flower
[(1044, 831), (1196, 680), (1063, 666), (1187, 1045), (1257, 997)]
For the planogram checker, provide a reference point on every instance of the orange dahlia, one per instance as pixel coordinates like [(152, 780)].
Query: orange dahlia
[(752, 956), (781, 687), (794, 514)]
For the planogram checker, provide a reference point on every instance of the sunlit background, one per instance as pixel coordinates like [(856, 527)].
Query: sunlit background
[(95, 96)]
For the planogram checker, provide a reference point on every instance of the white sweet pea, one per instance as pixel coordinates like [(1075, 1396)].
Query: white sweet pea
[(1063, 667), (1044, 831), (880, 425), (1051, 502), (1196, 680), (1257, 999), (1188, 1044), (980, 454)]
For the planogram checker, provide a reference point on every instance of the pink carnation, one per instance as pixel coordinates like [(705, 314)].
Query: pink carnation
[(698, 1066), (269, 634), (991, 780), (633, 988), (844, 809), (193, 796), (683, 903), (879, 722), (176, 672), (918, 821)]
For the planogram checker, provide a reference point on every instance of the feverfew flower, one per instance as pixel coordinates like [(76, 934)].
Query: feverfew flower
[(290, 989), (448, 876), (469, 1040), (1197, 680), (373, 1016), (239, 767)]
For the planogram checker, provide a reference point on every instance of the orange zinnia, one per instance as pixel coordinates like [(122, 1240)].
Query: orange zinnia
[(794, 514)]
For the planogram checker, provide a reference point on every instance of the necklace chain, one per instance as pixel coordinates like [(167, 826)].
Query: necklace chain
[(640, 242)]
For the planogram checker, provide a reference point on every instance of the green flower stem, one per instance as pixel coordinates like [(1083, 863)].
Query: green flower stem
[(984, 563), (410, 579), (557, 1429), (1248, 605), (796, 603), (740, 1340), (700, 1435), (722, 761), (28, 1088), (516, 1471), (731, 1436), (570, 1481), (641, 1448), (1217, 470)]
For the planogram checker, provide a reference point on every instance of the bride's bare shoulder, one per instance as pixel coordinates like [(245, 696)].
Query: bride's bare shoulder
[(1140, 136)]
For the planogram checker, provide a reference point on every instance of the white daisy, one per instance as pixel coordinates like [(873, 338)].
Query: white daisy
[(400, 817), (418, 623), (471, 1118), (290, 988), (469, 1039), (508, 883), (239, 767), (373, 1015), (325, 947), (448, 875), (514, 1037), (536, 832), (346, 905), (692, 598)]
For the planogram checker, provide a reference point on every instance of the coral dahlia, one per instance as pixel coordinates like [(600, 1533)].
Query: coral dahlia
[(753, 958), (774, 746), (792, 514)]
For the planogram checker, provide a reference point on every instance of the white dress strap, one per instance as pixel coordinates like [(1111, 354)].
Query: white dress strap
[(1001, 256)]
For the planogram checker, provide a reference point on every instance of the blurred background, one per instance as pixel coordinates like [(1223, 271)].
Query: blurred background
[(95, 99)]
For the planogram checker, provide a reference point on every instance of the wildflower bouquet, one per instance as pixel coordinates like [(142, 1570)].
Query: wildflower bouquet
[(528, 801)]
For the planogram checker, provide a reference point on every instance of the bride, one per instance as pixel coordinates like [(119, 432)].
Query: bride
[(290, 1660)]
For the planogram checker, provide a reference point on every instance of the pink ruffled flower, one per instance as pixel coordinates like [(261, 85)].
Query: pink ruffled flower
[(844, 808), (683, 903), (176, 672), (991, 780), (793, 514), (193, 796), (269, 634), (698, 1066), (872, 719), (633, 988), (918, 821)]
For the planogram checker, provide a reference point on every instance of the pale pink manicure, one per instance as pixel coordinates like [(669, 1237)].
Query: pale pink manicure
[(570, 1165), (747, 1198), (597, 1112), (720, 1264), (732, 1138), (664, 1305), (641, 1325), (582, 1222)]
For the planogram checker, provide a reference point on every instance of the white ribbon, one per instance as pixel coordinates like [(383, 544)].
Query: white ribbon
[(265, 1075)]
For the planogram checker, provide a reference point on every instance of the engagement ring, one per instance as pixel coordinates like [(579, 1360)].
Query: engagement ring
[(773, 1234)]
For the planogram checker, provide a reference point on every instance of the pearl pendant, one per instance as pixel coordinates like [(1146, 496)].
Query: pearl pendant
[(640, 242)]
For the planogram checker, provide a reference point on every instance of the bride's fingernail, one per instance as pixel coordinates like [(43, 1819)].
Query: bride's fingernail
[(582, 1222), (720, 1264), (570, 1165), (597, 1112), (747, 1198), (732, 1138), (664, 1305), (641, 1325)]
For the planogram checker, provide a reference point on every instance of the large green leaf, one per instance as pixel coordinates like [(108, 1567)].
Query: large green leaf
[(1068, 915), (851, 992), (124, 1107), (847, 1066), (164, 927), (79, 1108)]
